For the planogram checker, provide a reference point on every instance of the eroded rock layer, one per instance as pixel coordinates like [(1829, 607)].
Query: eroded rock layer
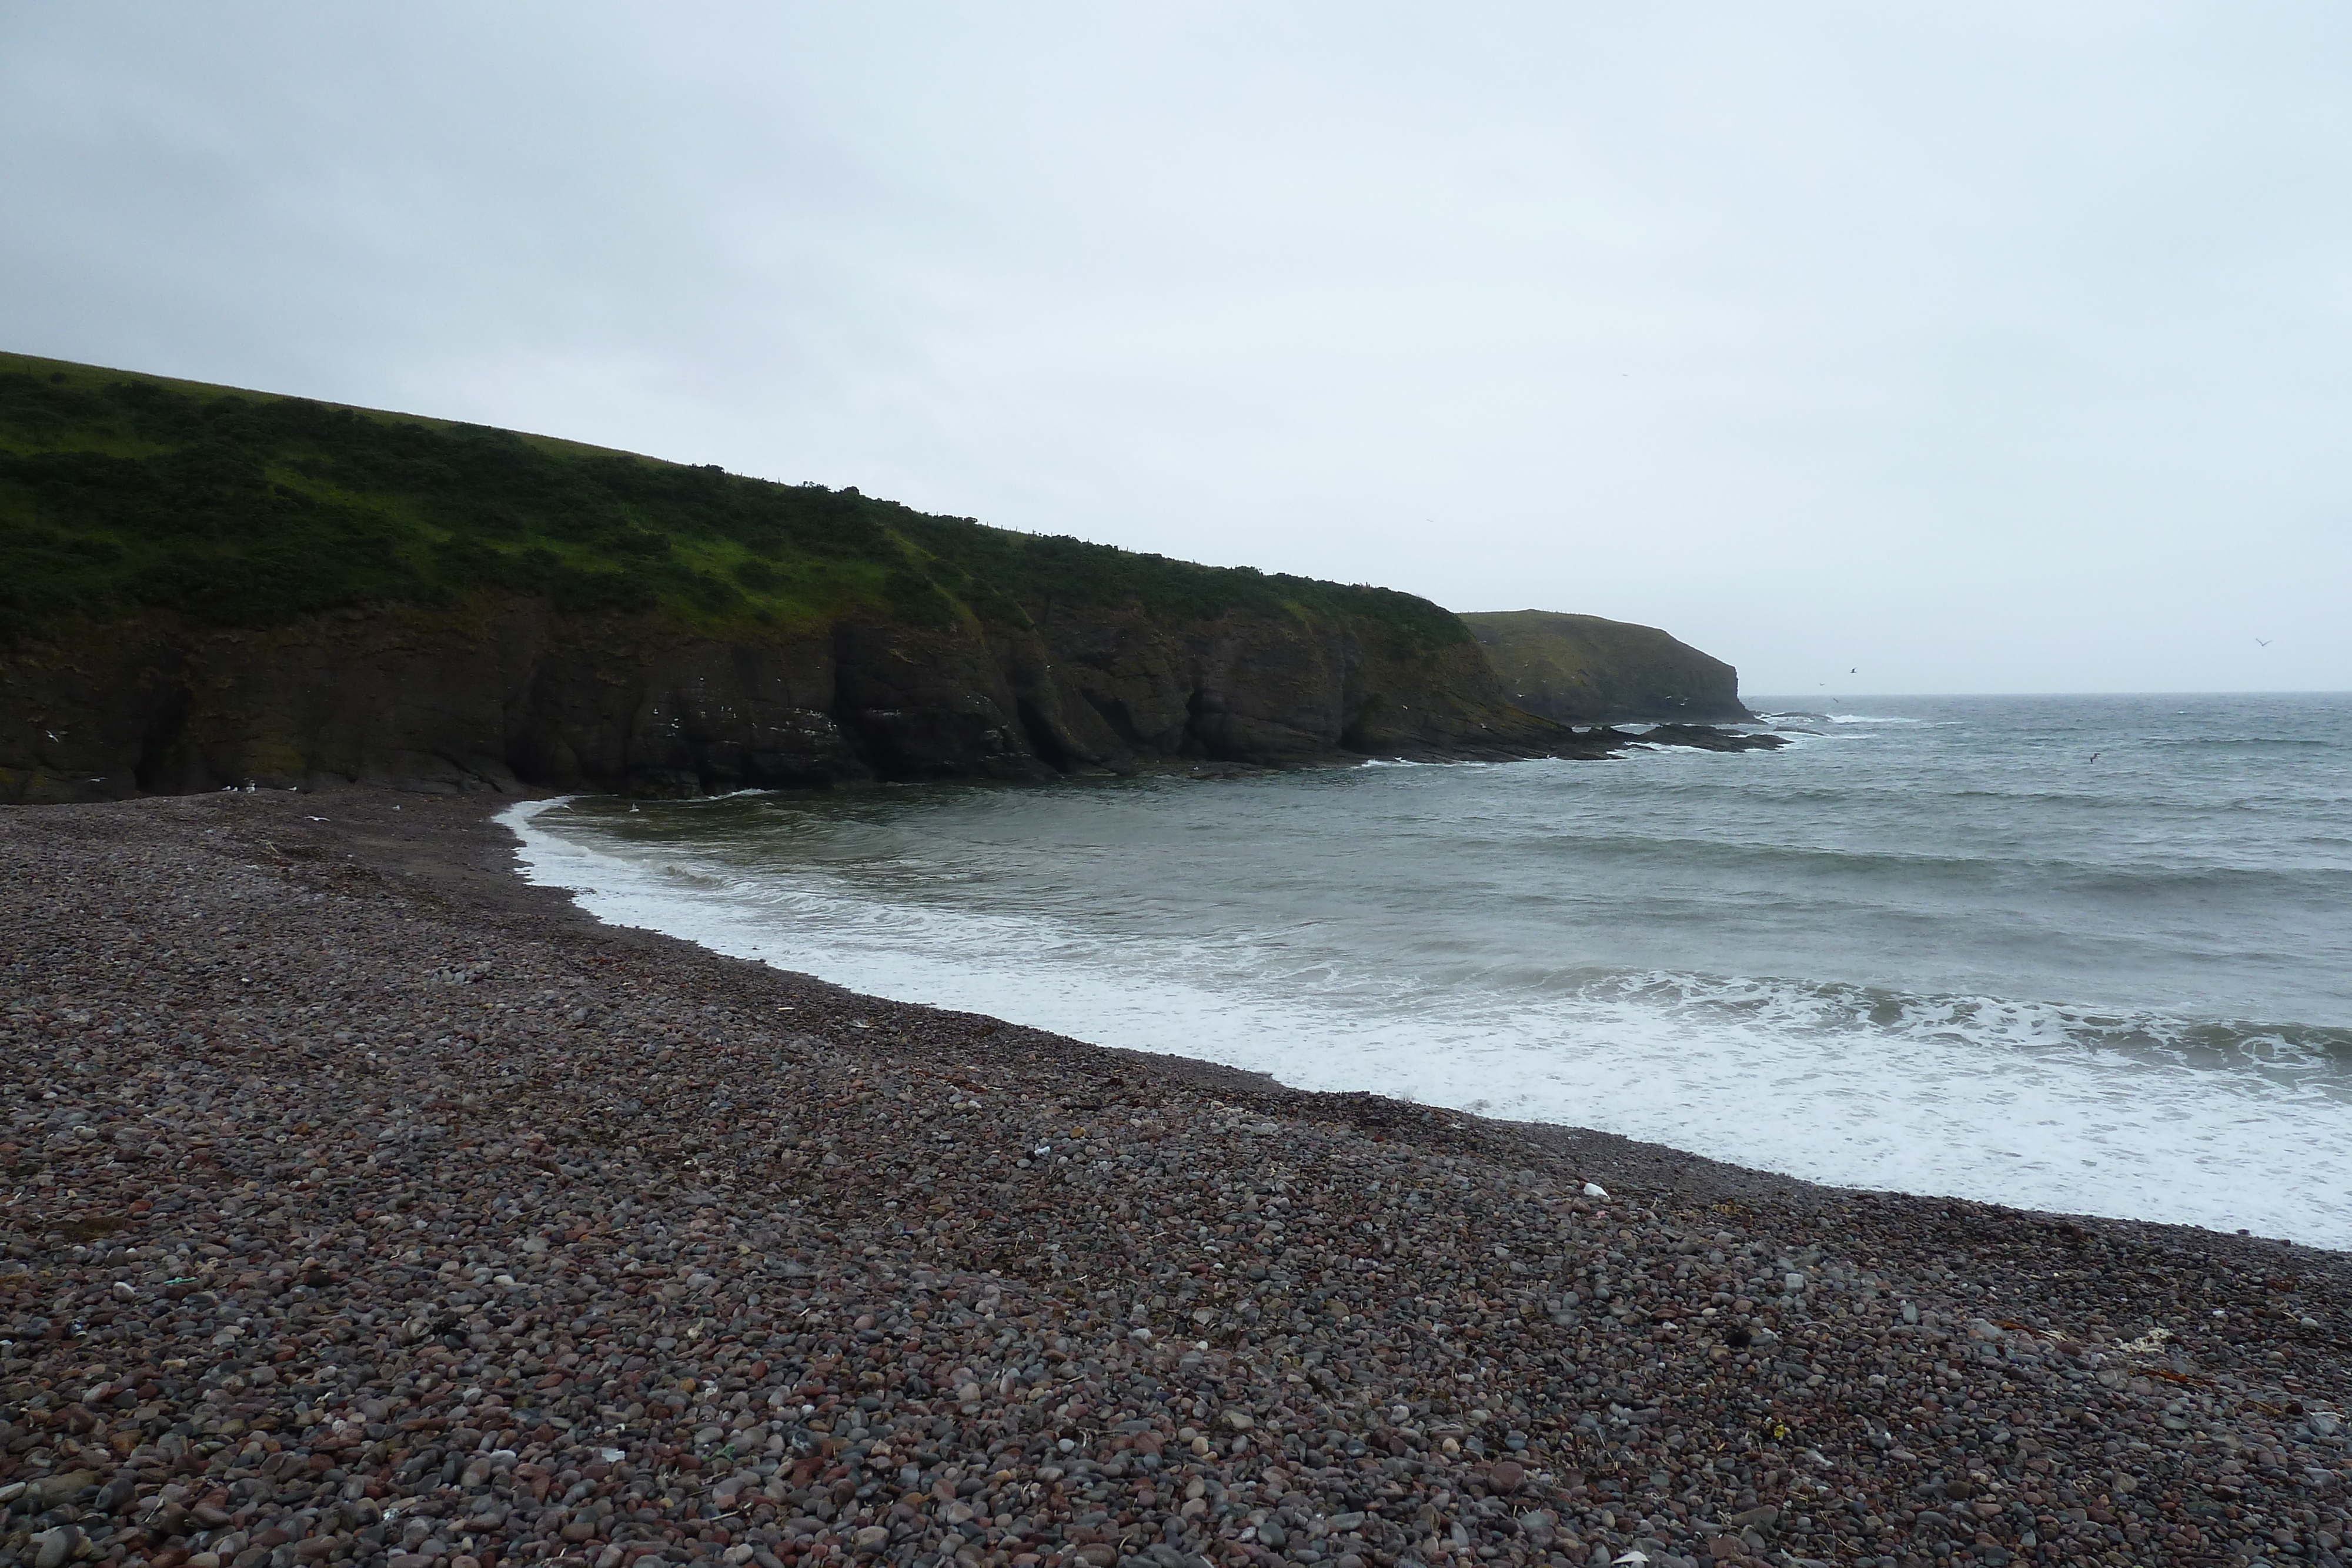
[(519, 694)]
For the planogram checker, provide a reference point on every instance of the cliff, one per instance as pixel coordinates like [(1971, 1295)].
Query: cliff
[(1582, 669), (203, 587)]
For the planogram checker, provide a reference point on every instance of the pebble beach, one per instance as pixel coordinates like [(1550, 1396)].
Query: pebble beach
[(361, 1204)]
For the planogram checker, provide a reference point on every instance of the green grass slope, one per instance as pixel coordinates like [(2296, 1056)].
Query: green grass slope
[(124, 495), (1584, 669)]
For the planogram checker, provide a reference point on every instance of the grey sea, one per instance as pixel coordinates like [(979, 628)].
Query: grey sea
[(2088, 955)]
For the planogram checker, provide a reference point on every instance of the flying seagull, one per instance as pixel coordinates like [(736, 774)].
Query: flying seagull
[(2265, 642), (2094, 757)]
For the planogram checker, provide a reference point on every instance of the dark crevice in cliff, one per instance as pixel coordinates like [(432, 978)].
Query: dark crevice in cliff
[(1201, 715), (1043, 738), (153, 770), (1114, 713)]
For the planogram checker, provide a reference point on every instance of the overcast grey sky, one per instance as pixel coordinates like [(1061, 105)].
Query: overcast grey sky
[(1973, 348)]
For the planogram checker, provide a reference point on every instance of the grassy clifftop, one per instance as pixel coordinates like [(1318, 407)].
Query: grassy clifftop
[(124, 494)]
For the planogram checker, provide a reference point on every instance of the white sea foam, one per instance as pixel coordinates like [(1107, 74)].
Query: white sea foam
[(2022, 1104)]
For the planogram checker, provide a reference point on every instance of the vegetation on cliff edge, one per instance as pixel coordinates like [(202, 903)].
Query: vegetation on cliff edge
[(124, 494)]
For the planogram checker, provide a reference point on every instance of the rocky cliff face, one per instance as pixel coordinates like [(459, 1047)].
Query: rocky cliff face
[(1582, 669), (511, 693), (203, 587)]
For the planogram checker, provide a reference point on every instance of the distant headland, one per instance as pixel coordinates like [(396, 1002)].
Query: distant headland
[(1582, 669)]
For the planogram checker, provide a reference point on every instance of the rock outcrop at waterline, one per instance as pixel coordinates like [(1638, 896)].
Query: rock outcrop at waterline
[(1583, 669), (1698, 737)]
